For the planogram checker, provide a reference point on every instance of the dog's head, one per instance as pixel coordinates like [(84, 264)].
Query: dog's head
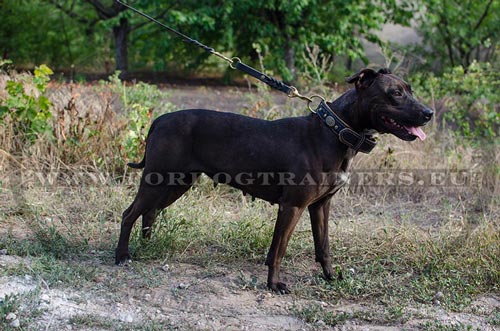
[(388, 104)]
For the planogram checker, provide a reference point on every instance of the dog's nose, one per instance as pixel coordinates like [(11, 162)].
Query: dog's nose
[(428, 114)]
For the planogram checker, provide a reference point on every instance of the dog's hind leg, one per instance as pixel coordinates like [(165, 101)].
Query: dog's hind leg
[(170, 195), (144, 203), (319, 213), (148, 202), (129, 217), (147, 222)]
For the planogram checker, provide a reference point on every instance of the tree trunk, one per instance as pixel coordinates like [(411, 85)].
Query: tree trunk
[(290, 57), (120, 33)]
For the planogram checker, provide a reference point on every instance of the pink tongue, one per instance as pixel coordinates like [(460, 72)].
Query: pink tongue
[(416, 131)]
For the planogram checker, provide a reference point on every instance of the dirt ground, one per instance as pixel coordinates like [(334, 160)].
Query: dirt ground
[(189, 297), (184, 296)]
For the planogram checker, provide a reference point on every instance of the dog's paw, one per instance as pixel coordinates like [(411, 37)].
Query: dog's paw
[(279, 288), (329, 274), (123, 259)]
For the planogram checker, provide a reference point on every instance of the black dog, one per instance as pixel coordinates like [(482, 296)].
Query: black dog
[(297, 163)]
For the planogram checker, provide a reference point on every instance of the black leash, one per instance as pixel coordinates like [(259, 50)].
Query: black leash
[(358, 142), (234, 63)]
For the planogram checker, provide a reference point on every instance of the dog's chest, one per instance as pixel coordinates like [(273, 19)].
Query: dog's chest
[(337, 181)]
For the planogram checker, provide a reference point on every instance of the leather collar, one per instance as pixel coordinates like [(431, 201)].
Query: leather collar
[(359, 142)]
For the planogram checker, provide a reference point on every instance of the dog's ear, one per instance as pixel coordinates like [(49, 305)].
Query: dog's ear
[(364, 78), (384, 71)]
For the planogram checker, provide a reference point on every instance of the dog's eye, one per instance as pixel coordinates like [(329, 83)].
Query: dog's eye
[(396, 93)]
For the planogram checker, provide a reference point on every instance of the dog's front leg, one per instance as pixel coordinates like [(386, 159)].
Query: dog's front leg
[(319, 213), (288, 216)]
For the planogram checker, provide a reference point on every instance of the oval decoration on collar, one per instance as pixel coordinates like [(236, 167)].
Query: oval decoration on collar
[(330, 121)]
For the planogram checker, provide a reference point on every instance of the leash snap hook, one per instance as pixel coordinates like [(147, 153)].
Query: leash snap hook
[(294, 93)]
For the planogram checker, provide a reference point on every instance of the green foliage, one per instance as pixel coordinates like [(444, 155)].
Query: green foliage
[(282, 28), (56, 271), (106, 138), (33, 32), (25, 106), (4, 63), (51, 240), (457, 33), (470, 97), (495, 317), (175, 232), (140, 119), (80, 33), (10, 303), (205, 20), (141, 103), (246, 237)]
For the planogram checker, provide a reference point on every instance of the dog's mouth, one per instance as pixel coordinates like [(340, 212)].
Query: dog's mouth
[(405, 132)]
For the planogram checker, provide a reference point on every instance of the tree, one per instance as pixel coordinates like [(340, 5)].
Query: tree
[(31, 33), (120, 29), (203, 20), (282, 28), (83, 31), (112, 12), (459, 32)]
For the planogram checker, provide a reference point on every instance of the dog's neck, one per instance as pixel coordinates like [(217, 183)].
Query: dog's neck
[(348, 108)]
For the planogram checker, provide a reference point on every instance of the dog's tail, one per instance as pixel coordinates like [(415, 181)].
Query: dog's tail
[(142, 164), (139, 165)]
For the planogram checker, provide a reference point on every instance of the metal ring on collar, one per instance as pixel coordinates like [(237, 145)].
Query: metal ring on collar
[(311, 100)]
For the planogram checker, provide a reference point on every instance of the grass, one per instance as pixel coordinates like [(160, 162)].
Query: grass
[(395, 246), (494, 319), (97, 322), (315, 314), (8, 304), (24, 306), (379, 258), (437, 326), (319, 315)]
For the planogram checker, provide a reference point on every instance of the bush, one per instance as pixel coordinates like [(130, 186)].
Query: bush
[(141, 102), (25, 109), (104, 125), (467, 99)]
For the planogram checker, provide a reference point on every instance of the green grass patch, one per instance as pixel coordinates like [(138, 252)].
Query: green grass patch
[(25, 306), (494, 319), (101, 323), (221, 225), (438, 326), (406, 264), (51, 271), (315, 314)]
